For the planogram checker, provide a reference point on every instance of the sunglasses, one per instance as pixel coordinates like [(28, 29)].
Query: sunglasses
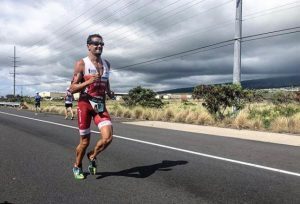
[(96, 43)]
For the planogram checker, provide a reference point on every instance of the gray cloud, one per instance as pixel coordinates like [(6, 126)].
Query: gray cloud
[(49, 42)]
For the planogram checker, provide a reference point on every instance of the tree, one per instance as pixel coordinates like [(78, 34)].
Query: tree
[(217, 98), (282, 98), (143, 97)]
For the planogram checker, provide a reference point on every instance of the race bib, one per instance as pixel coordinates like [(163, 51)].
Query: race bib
[(98, 105)]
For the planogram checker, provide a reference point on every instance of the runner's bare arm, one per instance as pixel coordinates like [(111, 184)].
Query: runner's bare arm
[(78, 84), (110, 93)]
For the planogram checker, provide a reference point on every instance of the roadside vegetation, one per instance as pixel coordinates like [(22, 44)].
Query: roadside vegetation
[(223, 106)]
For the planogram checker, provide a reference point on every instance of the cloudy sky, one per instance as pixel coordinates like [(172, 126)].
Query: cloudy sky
[(50, 36)]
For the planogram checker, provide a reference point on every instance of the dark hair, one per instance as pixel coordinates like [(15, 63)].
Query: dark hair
[(89, 39)]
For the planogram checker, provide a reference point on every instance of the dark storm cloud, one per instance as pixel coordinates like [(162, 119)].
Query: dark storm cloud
[(139, 31)]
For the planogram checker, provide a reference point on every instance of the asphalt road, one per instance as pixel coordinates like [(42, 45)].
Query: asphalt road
[(142, 165)]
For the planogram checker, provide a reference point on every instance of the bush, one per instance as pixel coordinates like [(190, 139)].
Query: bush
[(268, 114), (217, 98), (142, 97), (281, 98)]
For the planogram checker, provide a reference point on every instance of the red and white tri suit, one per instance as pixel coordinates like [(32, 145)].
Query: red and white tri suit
[(95, 90)]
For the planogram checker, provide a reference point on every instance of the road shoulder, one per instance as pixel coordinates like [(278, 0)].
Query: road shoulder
[(277, 138)]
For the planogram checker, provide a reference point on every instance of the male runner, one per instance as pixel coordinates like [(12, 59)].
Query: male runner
[(91, 79), (69, 104), (37, 102)]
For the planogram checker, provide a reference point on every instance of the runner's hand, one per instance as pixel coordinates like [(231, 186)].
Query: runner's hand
[(112, 95), (93, 78)]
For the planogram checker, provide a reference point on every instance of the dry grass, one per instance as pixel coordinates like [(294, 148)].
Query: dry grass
[(195, 113), (294, 124), (280, 124), (147, 114), (137, 113), (192, 117), (256, 124), (167, 115), (119, 112), (127, 113), (241, 121), (181, 116), (204, 118)]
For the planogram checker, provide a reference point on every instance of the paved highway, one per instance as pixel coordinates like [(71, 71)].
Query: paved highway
[(142, 165)]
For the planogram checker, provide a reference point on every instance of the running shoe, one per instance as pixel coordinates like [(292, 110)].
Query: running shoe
[(78, 174), (92, 166)]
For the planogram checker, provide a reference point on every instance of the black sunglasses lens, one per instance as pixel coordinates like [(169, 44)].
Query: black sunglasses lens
[(97, 43)]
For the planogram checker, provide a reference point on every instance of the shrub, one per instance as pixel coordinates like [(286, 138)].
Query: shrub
[(269, 113), (281, 98), (142, 97), (217, 98)]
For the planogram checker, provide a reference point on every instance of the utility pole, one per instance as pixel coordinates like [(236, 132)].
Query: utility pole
[(237, 43), (14, 66)]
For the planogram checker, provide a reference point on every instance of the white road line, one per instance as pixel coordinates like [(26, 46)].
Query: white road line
[(173, 148)]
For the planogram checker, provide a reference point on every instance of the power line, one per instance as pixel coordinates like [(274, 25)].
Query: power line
[(198, 31), (155, 11), (96, 14), (274, 35), (275, 7), (187, 51), (179, 22), (159, 19), (257, 16), (180, 7), (188, 54), (86, 11), (270, 32), (195, 51), (66, 24), (61, 44), (207, 46), (247, 19)]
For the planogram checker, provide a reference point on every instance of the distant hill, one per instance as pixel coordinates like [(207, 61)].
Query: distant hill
[(266, 83)]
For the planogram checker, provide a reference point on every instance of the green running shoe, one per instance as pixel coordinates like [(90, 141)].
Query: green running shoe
[(78, 174), (92, 166)]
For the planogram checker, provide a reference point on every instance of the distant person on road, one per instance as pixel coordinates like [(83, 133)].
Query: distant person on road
[(37, 103), (69, 104), (91, 79)]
